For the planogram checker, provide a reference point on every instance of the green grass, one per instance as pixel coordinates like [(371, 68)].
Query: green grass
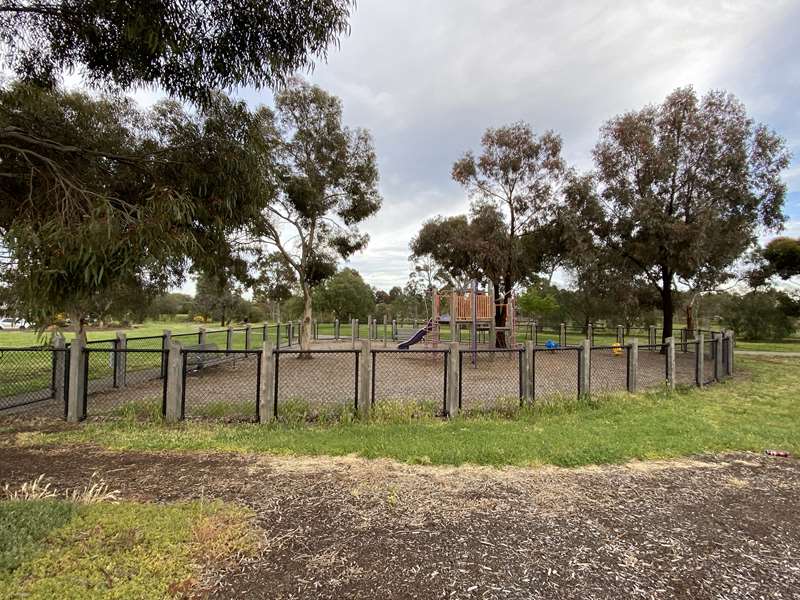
[(57, 549), (786, 345), (24, 524), (760, 410)]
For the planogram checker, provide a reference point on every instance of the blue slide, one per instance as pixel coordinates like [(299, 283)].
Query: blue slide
[(416, 338)]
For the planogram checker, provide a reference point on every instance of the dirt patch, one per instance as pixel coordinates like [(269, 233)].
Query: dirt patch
[(707, 527)]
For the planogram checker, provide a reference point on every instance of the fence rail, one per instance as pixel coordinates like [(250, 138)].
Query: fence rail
[(223, 374)]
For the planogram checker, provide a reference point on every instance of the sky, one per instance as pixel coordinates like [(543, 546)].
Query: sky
[(428, 77)]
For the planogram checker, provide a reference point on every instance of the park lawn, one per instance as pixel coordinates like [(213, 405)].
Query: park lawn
[(55, 548), (785, 345), (758, 410)]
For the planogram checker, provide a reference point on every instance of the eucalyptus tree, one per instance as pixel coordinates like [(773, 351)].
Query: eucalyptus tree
[(516, 186), (326, 184), (118, 198), (685, 188)]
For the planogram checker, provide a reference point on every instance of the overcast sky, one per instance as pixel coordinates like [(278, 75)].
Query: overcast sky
[(428, 77)]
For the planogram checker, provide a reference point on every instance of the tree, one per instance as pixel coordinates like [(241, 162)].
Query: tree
[(345, 295), (684, 187), (65, 165), (327, 183), (781, 258), (129, 222), (515, 186), (761, 315), (187, 47), (535, 304)]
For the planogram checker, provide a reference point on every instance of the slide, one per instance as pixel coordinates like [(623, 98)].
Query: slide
[(416, 338)]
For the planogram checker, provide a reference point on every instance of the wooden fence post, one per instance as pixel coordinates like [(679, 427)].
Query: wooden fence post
[(229, 339), (453, 379), (585, 369), (120, 360), (530, 371), (385, 339), (633, 365), (336, 329), (535, 333), (266, 408), (731, 353), (717, 357), (174, 401), (562, 335), (76, 409), (277, 335), (248, 336), (365, 379), (671, 363), (651, 336), (590, 333), (354, 331)]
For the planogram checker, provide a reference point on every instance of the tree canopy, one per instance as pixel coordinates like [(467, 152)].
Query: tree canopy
[(683, 188), (513, 230), (189, 48), (86, 210), (327, 183)]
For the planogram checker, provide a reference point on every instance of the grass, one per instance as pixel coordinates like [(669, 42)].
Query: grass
[(759, 410), (785, 345), (58, 549)]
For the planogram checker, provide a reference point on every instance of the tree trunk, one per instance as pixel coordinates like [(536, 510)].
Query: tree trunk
[(305, 329)]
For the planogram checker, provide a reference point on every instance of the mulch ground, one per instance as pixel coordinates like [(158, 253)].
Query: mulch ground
[(710, 527)]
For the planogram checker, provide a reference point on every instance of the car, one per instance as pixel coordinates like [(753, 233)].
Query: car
[(9, 323)]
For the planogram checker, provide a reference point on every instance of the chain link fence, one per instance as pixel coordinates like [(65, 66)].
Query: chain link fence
[(319, 385), (415, 379), (135, 387), (491, 380), (609, 369), (555, 374), (221, 384), (33, 381)]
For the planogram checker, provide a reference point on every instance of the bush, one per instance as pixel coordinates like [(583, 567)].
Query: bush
[(759, 315)]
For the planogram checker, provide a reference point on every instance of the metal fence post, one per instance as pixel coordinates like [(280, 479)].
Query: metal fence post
[(120, 360), (248, 336), (77, 380), (633, 365), (453, 379), (365, 379), (671, 363), (385, 339), (336, 329), (289, 333), (266, 409), (174, 399), (166, 340), (585, 369), (59, 368), (229, 339), (265, 333), (699, 361)]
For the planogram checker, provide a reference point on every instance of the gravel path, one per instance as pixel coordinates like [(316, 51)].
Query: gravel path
[(710, 527)]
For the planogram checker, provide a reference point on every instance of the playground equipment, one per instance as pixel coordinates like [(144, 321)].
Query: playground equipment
[(616, 349), (472, 308)]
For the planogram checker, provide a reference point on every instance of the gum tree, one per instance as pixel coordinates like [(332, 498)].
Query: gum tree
[(685, 187), (515, 186), (327, 182)]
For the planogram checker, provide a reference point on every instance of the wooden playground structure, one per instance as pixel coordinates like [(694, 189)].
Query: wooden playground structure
[(472, 310)]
